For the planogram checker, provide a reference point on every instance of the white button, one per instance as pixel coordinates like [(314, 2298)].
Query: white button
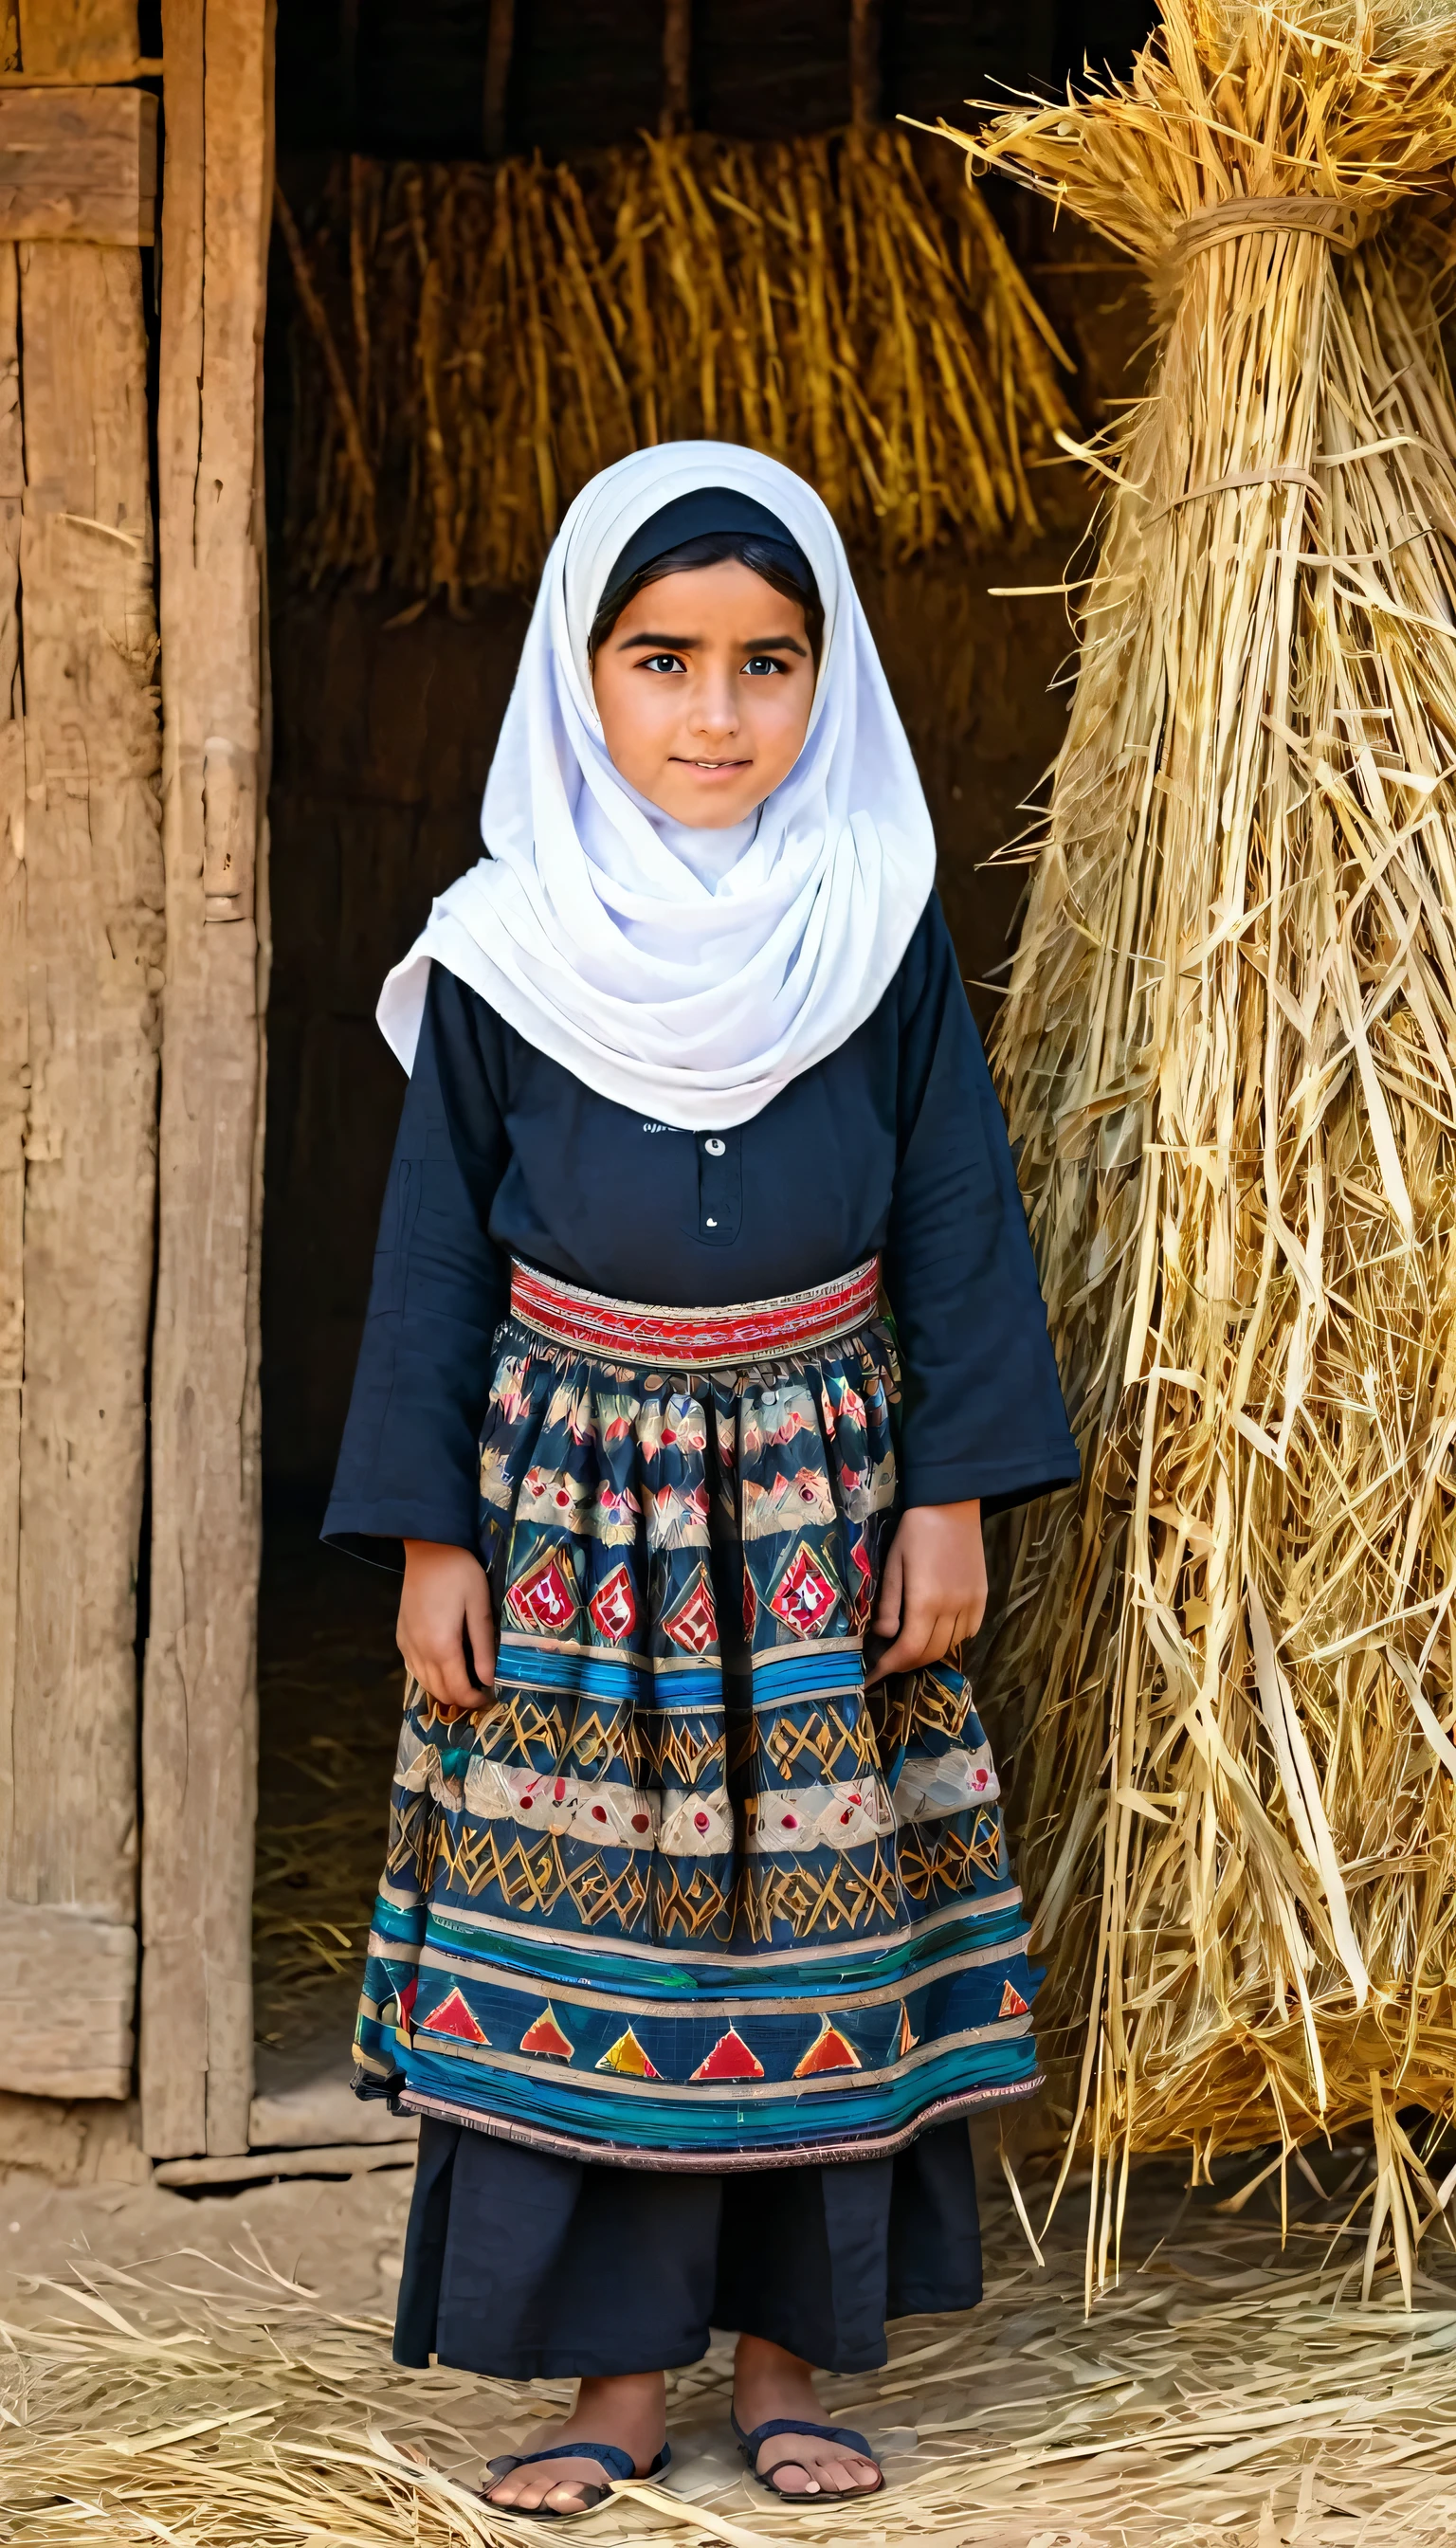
[(712, 1224), (715, 1149)]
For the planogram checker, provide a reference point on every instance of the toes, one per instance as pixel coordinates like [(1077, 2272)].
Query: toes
[(790, 2477), (825, 2477), (522, 2494)]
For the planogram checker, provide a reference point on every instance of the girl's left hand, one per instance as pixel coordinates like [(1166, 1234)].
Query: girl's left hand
[(933, 1591)]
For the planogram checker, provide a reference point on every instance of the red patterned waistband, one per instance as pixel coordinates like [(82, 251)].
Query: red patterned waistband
[(683, 1339)]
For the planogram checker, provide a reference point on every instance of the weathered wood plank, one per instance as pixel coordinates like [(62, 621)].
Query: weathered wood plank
[(95, 38), (67, 1990), (338, 2158), (93, 881), (15, 1023), (78, 163), (200, 1718)]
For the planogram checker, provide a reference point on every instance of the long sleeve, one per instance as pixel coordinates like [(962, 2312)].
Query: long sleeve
[(982, 1411), (408, 1465)]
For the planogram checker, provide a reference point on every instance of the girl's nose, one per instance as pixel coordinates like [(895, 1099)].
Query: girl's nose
[(714, 707), (714, 713)]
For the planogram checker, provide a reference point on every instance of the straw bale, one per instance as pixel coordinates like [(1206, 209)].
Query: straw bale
[(473, 343), (1227, 1056)]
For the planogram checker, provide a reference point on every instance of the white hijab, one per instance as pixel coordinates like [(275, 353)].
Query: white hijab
[(689, 975)]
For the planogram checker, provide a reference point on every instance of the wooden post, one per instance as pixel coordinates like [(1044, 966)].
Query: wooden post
[(500, 46), (865, 82), (677, 109), (199, 1718), (80, 969), (94, 954), (15, 1031)]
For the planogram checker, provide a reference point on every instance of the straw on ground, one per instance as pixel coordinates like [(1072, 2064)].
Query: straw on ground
[(1217, 2396)]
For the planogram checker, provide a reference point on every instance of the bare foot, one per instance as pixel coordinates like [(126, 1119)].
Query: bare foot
[(769, 2383), (631, 2412)]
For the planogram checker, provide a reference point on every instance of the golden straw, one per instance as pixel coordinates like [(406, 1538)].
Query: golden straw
[(1229, 1057), (474, 344)]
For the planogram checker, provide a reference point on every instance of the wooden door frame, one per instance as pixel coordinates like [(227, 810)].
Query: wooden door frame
[(199, 1725), (81, 954)]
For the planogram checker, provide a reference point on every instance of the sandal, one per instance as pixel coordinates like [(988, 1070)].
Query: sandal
[(618, 2464), (854, 2443)]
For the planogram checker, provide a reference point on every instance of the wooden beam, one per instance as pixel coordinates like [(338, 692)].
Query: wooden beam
[(500, 46), (67, 1991), (676, 106), (78, 163), (90, 39), (865, 79), (93, 947), (338, 2158), (199, 1714), (87, 75)]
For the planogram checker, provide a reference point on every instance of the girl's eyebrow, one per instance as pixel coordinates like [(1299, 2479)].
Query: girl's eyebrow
[(686, 645)]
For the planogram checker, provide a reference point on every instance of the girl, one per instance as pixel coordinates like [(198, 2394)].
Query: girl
[(705, 1327)]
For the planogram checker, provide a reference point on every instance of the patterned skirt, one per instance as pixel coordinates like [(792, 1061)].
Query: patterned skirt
[(681, 1892)]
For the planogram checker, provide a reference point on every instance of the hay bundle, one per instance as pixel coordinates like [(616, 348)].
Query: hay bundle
[(476, 343), (1229, 1054)]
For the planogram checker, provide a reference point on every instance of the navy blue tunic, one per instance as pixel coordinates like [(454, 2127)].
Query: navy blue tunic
[(895, 1142)]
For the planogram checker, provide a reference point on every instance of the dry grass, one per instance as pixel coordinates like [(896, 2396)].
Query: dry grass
[(1230, 1056), (474, 344), (1217, 2396)]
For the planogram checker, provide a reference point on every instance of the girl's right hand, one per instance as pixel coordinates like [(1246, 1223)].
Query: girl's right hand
[(445, 1612)]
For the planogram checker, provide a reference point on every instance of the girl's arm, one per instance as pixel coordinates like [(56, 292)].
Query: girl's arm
[(983, 1419), (407, 1470), (981, 1416)]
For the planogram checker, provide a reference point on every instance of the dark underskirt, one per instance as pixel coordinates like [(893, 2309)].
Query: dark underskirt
[(525, 2266)]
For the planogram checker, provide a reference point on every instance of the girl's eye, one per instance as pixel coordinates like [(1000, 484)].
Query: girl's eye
[(662, 664), (763, 663)]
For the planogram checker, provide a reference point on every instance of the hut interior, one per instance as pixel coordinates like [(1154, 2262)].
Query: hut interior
[(391, 665)]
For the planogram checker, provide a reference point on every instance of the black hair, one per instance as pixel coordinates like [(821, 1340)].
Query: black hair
[(787, 568)]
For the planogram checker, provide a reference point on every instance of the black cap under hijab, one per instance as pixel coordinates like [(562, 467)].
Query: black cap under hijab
[(693, 518)]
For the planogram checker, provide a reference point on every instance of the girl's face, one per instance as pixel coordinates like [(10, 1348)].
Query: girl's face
[(704, 689)]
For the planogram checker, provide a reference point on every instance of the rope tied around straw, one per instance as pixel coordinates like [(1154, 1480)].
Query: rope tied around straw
[(1343, 226), (1236, 480)]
